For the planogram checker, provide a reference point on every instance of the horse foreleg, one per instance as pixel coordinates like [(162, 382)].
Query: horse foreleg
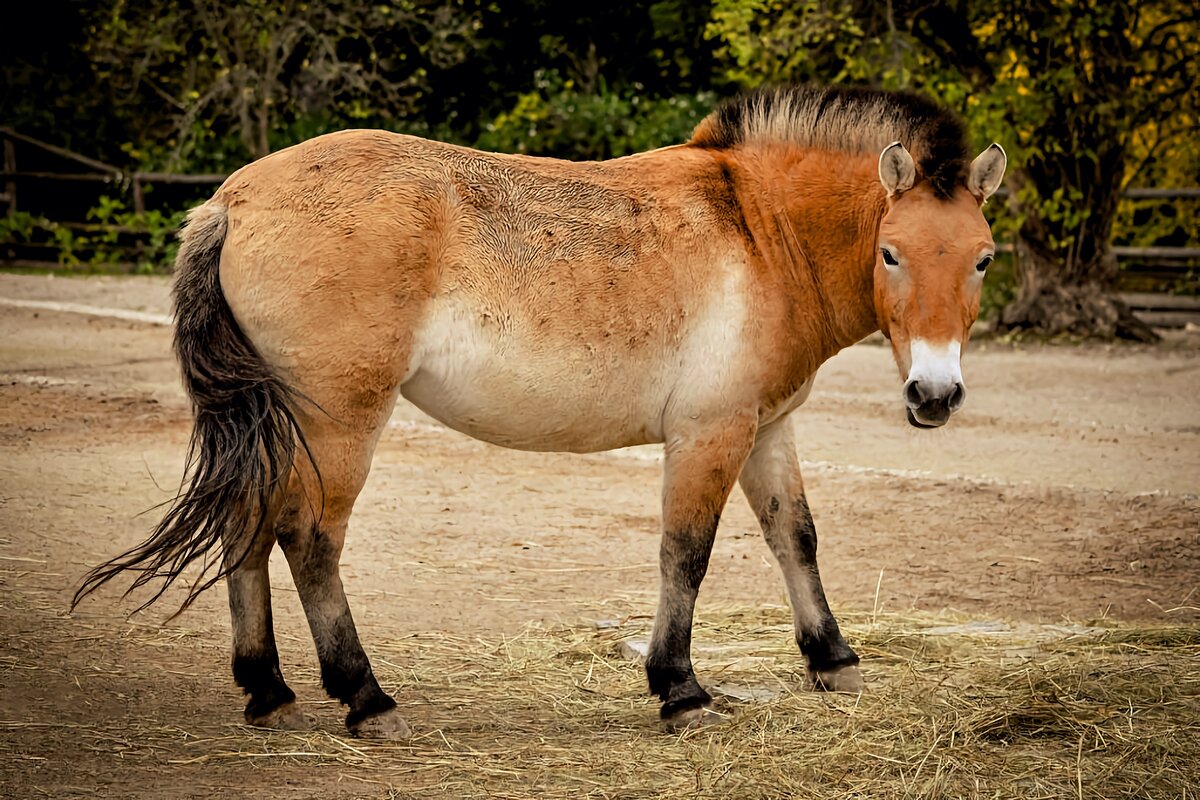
[(772, 483), (701, 466), (255, 659)]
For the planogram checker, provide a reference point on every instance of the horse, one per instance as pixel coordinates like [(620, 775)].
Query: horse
[(684, 296)]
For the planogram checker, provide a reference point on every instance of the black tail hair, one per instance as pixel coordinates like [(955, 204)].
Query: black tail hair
[(243, 443)]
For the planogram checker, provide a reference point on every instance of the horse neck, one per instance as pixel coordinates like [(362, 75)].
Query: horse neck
[(816, 218)]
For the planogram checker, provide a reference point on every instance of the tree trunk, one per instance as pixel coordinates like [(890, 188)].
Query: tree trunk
[(1066, 270), (1051, 307), (1071, 295)]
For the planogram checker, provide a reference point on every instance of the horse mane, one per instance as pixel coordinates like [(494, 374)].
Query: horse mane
[(850, 120)]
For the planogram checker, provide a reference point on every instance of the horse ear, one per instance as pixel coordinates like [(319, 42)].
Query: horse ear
[(897, 172), (987, 171)]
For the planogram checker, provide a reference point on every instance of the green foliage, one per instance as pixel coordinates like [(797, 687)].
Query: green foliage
[(153, 246), (114, 235), (1163, 152), (199, 69), (556, 119), (776, 41), (19, 227)]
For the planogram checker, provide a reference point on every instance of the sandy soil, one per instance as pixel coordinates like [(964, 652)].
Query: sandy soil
[(1067, 488)]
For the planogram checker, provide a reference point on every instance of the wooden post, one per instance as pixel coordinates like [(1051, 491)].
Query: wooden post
[(10, 166), (139, 202), (139, 208), (10, 187)]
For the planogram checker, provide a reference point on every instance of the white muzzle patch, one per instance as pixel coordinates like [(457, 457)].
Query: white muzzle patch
[(937, 368)]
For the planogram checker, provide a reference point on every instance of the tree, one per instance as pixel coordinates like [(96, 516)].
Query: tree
[(1068, 86), (47, 85), (207, 85), (1094, 75), (256, 66), (592, 81)]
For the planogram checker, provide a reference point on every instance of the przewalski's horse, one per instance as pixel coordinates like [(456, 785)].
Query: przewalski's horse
[(685, 296)]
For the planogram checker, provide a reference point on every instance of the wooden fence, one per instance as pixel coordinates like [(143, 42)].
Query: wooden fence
[(123, 245), (1142, 266), (135, 182)]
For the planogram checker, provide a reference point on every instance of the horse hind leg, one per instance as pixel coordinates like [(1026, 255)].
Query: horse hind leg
[(311, 531), (271, 703)]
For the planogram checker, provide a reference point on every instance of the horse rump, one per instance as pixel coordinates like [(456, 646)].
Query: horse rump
[(243, 442)]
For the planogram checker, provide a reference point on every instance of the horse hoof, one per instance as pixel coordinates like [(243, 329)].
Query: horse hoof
[(842, 679), (387, 725), (287, 717), (692, 719)]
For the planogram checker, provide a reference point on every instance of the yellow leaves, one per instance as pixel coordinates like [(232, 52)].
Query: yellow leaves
[(1015, 71), (1012, 66)]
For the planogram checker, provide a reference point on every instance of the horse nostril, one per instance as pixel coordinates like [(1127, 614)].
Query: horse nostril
[(957, 397), (913, 395)]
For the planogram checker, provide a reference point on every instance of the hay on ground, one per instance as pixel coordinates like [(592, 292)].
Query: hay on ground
[(991, 711), (959, 708)]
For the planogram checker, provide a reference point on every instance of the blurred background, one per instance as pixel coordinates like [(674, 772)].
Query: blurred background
[(117, 116)]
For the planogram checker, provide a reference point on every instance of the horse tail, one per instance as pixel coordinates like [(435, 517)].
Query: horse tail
[(243, 443)]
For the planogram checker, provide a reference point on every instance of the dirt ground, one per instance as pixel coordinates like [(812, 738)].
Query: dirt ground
[(1066, 489)]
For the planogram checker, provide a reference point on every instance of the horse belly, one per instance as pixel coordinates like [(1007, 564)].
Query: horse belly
[(493, 383)]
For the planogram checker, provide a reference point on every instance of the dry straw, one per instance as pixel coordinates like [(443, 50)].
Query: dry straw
[(957, 709)]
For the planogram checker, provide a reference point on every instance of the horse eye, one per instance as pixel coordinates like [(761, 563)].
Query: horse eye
[(983, 264), (888, 258)]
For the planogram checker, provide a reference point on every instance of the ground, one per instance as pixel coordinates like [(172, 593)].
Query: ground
[(1065, 492)]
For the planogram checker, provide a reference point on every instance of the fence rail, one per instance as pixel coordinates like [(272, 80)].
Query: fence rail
[(101, 172)]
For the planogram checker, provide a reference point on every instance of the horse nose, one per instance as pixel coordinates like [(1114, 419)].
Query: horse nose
[(914, 394), (958, 396), (921, 393)]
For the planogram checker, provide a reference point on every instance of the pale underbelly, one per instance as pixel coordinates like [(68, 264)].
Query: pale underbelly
[(524, 413), (500, 378)]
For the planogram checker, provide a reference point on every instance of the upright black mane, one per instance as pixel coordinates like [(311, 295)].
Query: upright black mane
[(852, 120)]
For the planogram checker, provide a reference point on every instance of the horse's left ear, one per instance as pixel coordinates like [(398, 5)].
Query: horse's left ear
[(897, 172), (987, 171)]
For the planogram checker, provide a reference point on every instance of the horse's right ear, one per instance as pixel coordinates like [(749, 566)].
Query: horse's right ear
[(987, 170), (897, 172)]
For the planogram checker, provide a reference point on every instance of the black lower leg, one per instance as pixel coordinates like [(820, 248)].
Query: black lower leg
[(260, 677), (345, 670), (820, 639), (684, 561), (677, 687), (255, 659), (825, 648)]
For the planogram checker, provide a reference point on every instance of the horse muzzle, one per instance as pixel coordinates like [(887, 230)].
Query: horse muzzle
[(934, 389), (930, 403)]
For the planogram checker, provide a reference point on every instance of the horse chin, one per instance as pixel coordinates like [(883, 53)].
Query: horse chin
[(924, 422)]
